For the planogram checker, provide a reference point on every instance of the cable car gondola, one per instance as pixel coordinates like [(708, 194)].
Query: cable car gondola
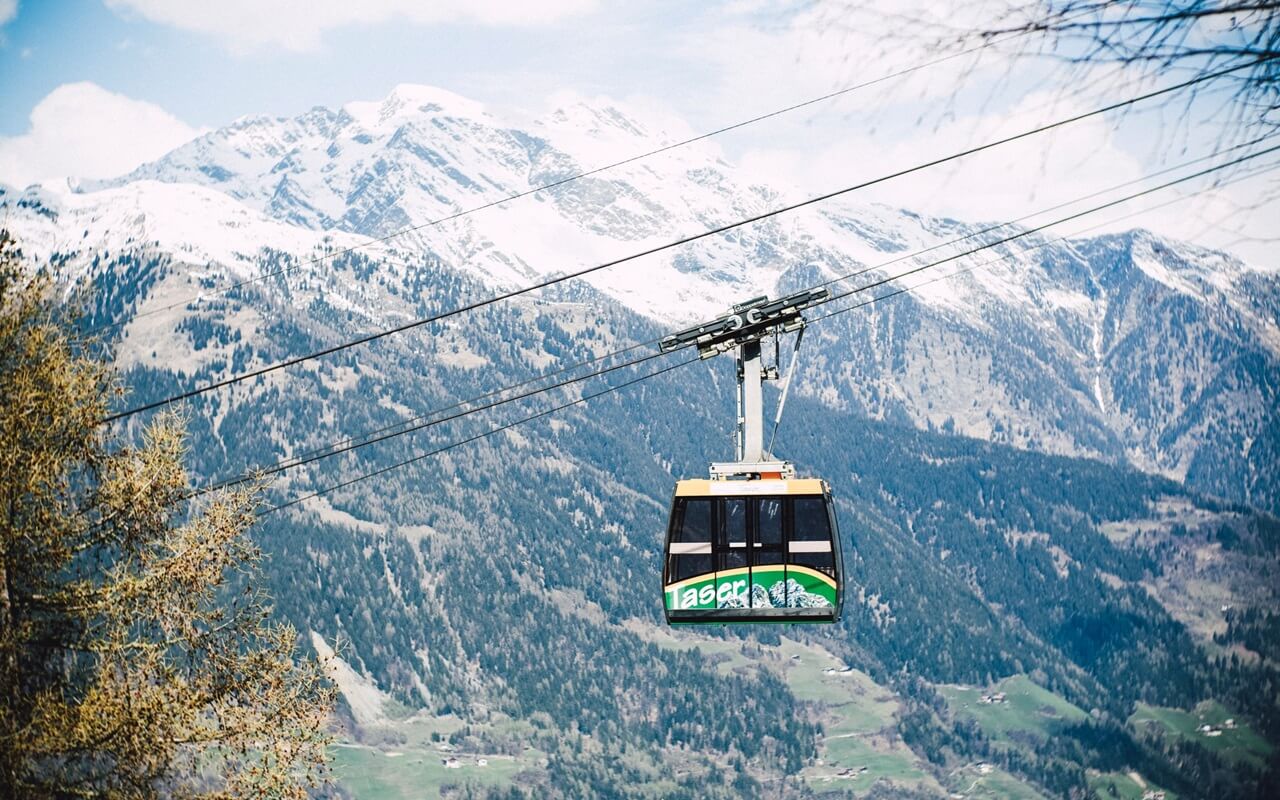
[(751, 543)]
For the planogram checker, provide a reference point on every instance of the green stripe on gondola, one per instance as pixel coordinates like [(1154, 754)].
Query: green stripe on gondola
[(765, 586)]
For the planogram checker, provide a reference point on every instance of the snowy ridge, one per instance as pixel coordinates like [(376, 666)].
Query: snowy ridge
[(423, 154), (1057, 346), (194, 224)]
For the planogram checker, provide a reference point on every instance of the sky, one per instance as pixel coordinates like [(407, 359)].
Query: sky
[(93, 88)]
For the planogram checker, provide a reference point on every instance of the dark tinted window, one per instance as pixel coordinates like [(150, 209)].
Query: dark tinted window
[(695, 524), (731, 538), (811, 520), (811, 524), (733, 521), (687, 566), (769, 521), (823, 562)]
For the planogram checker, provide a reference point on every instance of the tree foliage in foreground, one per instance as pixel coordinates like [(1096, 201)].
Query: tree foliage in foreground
[(137, 658)]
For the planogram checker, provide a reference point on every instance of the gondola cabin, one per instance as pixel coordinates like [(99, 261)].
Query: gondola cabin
[(740, 551), (753, 543)]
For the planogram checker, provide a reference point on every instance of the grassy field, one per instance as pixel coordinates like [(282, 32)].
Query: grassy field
[(857, 763), (859, 746), (395, 774), (857, 714), (1123, 787), (991, 782), (1028, 709), (408, 763), (1240, 744)]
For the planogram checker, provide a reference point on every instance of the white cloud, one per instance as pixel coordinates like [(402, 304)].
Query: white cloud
[(299, 24), (82, 130), (776, 53), (944, 108), (1005, 182), (8, 10)]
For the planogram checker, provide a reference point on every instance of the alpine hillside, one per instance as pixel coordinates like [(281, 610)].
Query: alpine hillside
[(1055, 475)]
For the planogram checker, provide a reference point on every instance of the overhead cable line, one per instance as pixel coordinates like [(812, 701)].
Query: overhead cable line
[(417, 422), (992, 262), (1046, 210), (1065, 238), (676, 243), (383, 257), (460, 404), (1027, 232), (489, 432), (347, 447), (867, 287), (585, 398), (584, 174)]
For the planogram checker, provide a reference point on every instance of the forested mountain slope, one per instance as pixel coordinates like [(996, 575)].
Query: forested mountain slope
[(505, 594)]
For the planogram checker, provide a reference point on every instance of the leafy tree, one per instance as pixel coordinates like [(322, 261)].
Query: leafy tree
[(137, 658)]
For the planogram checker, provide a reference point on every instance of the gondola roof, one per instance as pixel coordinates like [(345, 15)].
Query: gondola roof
[(703, 487)]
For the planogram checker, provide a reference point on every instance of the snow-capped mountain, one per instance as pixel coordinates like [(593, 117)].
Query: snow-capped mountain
[(424, 154), (1125, 347)]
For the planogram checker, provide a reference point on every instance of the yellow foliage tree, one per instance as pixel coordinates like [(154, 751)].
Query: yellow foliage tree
[(137, 655)]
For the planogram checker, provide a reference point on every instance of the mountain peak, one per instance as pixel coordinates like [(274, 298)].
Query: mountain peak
[(409, 99), (597, 117), (602, 119)]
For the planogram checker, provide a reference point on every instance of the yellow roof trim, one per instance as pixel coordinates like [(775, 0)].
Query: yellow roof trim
[(702, 487)]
